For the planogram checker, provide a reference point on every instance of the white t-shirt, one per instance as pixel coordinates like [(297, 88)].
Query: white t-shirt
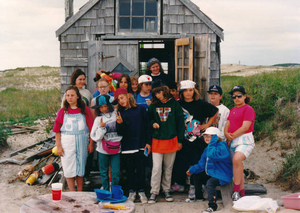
[(86, 97), (221, 119), (108, 133)]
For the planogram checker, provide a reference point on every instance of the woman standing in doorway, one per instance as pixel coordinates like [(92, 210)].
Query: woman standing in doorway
[(155, 70)]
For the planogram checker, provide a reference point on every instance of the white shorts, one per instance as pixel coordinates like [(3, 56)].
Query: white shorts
[(244, 144)]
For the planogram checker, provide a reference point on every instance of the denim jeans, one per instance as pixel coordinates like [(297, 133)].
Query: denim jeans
[(104, 160), (211, 185)]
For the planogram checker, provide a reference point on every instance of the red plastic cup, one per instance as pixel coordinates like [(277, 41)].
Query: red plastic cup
[(56, 191)]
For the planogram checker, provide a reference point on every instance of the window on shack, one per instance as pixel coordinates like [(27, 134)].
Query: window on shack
[(137, 16)]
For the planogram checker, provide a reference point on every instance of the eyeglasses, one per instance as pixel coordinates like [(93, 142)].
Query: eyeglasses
[(103, 87), (234, 96)]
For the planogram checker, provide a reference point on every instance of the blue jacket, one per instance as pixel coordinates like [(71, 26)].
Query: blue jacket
[(216, 161)]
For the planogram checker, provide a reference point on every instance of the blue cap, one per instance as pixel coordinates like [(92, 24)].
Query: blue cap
[(100, 100)]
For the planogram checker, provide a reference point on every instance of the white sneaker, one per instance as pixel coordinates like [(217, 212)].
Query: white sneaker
[(143, 197), (190, 200), (209, 210), (236, 196), (132, 196)]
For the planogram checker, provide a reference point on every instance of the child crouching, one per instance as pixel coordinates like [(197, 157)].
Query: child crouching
[(216, 162)]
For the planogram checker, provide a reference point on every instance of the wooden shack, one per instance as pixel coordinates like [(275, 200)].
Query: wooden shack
[(122, 35)]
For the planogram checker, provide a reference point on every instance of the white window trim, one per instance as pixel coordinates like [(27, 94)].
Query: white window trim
[(137, 32)]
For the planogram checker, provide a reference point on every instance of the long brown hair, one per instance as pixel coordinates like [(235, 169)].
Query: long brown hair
[(129, 89), (196, 95), (166, 94), (131, 102), (248, 99), (75, 75), (80, 102)]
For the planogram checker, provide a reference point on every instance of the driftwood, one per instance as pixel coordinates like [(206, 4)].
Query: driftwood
[(30, 152), (16, 129)]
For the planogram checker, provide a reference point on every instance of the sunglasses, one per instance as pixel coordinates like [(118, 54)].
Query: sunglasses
[(234, 96), (148, 84), (103, 87)]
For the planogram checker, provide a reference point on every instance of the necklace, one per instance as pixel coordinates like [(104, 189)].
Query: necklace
[(105, 115)]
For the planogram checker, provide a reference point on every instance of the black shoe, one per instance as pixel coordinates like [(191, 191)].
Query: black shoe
[(153, 198), (168, 197), (86, 181)]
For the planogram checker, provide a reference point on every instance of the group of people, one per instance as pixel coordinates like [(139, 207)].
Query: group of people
[(152, 115)]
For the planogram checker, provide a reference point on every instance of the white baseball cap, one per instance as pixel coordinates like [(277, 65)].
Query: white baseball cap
[(212, 131), (145, 79), (187, 84)]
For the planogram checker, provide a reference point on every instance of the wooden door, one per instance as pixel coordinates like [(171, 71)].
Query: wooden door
[(184, 55), (114, 56), (202, 64), (192, 61)]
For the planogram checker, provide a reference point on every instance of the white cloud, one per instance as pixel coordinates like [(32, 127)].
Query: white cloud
[(256, 32)]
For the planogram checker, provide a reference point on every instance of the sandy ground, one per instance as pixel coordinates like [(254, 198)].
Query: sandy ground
[(245, 70), (264, 161)]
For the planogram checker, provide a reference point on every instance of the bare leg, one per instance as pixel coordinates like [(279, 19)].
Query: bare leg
[(71, 184), (238, 169), (79, 181)]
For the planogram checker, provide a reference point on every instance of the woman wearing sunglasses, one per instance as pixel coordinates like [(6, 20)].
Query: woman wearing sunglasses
[(238, 131)]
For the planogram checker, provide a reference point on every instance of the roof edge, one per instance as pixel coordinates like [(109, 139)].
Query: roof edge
[(196, 10), (75, 17)]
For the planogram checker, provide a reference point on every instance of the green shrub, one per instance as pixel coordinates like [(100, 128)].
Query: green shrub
[(265, 89), (289, 175), (20, 106), (4, 133)]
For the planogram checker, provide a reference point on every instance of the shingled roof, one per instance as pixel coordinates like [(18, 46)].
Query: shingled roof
[(190, 5)]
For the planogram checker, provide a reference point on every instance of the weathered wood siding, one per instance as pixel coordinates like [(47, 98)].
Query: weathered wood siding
[(179, 18), (74, 41)]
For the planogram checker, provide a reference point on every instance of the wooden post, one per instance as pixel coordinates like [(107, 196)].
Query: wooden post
[(68, 9), (226, 193)]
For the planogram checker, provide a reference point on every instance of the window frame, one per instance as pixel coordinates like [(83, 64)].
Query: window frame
[(188, 65), (132, 32)]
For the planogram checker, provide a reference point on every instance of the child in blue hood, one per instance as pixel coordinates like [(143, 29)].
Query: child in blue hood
[(216, 163)]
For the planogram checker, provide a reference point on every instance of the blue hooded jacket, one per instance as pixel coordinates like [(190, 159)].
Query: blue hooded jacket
[(216, 161)]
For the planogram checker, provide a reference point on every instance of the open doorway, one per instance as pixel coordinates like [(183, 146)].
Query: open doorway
[(163, 50)]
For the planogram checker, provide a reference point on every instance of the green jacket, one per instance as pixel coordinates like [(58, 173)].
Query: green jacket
[(170, 118)]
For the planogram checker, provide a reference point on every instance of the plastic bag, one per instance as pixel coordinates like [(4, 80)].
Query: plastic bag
[(251, 203)]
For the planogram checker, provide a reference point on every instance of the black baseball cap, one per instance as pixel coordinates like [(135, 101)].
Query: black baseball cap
[(237, 88), (215, 88)]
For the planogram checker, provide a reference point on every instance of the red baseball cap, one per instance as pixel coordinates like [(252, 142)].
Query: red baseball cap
[(118, 92)]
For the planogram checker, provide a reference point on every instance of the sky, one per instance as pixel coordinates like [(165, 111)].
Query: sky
[(256, 32)]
